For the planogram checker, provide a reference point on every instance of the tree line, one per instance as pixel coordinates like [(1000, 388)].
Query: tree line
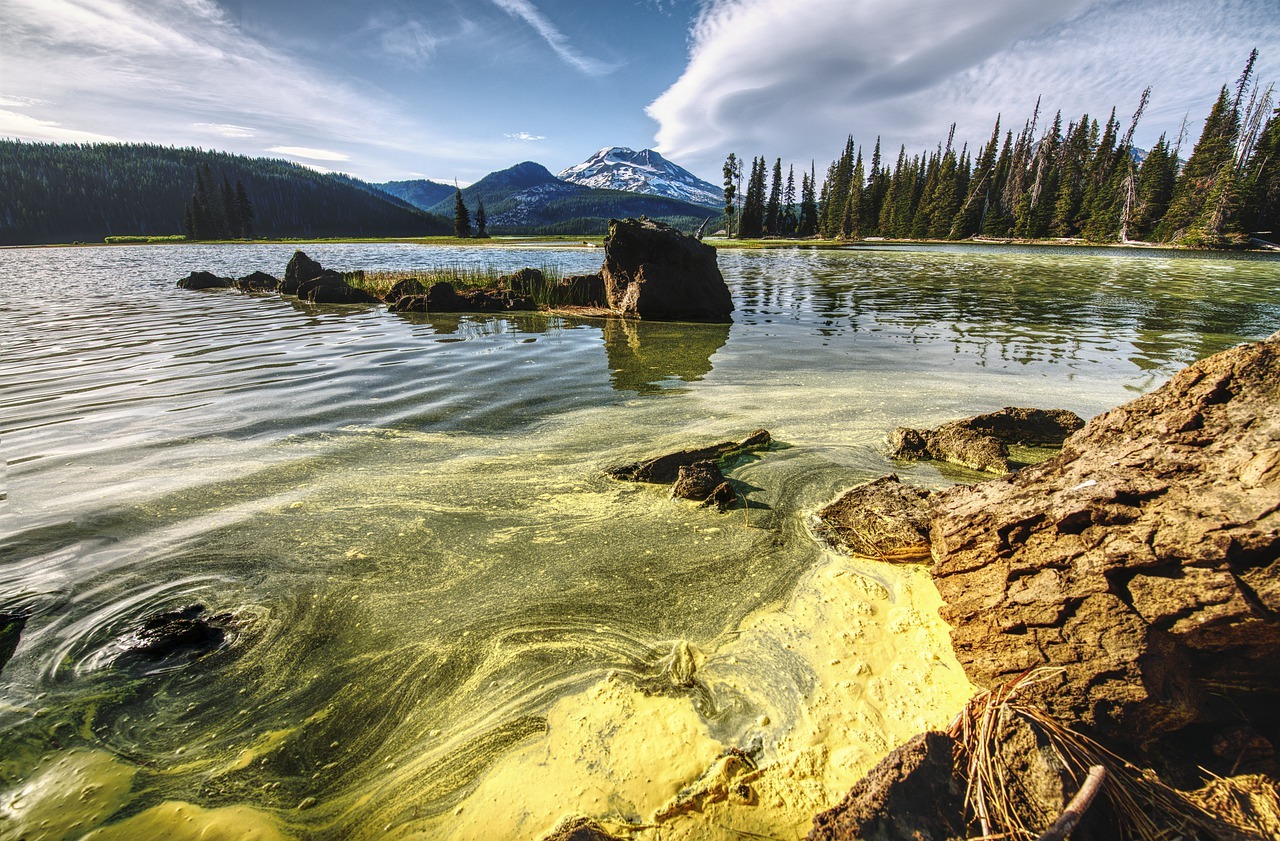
[(51, 193), (1082, 180)]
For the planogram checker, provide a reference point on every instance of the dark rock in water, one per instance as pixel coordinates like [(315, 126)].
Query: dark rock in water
[(584, 290), (405, 288), (524, 283), (663, 470), (11, 625), (653, 271), (300, 268), (442, 297), (205, 280), (914, 794), (882, 519), (176, 633), (696, 481), (982, 442), (579, 828), (330, 287), (258, 282), (1144, 560)]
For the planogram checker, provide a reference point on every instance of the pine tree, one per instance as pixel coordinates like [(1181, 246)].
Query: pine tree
[(481, 219), (773, 209), (244, 211), (732, 171), (808, 224), (789, 218), (461, 218), (1156, 177), (751, 225), (1213, 153), (229, 211), (1262, 210)]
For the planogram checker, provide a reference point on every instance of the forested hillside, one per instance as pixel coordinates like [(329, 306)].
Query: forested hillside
[(67, 192), (1072, 178)]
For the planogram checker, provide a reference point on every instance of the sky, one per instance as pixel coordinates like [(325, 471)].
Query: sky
[(454, 89)]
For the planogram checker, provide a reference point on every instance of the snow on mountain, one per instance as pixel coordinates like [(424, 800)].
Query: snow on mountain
[(619, 168)]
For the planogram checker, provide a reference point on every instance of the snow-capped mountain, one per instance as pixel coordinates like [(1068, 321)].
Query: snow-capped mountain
[(619, 168)]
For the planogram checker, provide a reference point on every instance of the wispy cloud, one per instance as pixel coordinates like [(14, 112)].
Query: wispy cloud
[(26, 127), (308, 153), (792, 79), (557, 40), (20, 101), (224, 129), (525, 136)]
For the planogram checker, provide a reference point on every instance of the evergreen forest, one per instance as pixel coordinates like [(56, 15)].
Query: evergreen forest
[(1076, 178), (57, 193)]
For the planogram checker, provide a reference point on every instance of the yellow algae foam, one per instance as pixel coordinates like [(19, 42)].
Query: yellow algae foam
[(823, 687), (69, 794), (177, 821)]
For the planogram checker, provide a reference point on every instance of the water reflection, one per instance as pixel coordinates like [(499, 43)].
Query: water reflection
[(643, 355)]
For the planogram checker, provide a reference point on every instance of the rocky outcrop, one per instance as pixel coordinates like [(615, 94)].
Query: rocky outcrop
[(653, 271), (526, 282), (913, 793), (329, 287), (442, 297), (883, 519), (1144, 560), (205, 280), (579, 828), (982, 442), (300, 268), (665, 469)]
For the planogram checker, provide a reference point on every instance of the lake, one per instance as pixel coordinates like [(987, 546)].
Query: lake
[(447, 622)]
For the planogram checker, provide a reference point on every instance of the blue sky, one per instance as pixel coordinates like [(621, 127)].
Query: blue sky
[(446, 89)]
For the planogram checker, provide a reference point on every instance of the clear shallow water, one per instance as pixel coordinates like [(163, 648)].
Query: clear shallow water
[(408, 514)]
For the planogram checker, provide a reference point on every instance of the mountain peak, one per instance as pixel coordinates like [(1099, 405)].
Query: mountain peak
[(645, 171)]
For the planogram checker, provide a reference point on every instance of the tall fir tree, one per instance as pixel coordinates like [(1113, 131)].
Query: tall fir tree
[(732, 171), (482, 220), (773, 208), (461, 217)]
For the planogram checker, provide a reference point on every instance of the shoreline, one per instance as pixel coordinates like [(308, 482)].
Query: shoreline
[(763, 244)]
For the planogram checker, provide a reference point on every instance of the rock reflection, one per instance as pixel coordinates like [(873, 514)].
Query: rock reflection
[(645, 354)]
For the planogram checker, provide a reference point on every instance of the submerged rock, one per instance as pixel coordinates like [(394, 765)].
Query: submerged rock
[(174, 634), (982, 442), (11, 626), (665, 469), (654, 271), (205, 280), (330, 287), (1144, 560), (882, 519), (258, 282), (912, 795)]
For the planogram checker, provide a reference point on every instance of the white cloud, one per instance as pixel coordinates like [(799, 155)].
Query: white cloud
[(524, 136), (792, 79), (26, 127), (309, 153), (20, 101), (224, 129), (557, 40)]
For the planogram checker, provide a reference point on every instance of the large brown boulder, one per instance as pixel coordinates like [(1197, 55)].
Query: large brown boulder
[(653, 271), (1144, 560)]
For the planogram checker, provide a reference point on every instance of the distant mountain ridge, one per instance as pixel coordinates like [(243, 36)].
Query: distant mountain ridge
[(647, 172), (418, 193), (528, 199)]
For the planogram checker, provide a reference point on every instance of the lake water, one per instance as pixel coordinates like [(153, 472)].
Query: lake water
[(449, 622)]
